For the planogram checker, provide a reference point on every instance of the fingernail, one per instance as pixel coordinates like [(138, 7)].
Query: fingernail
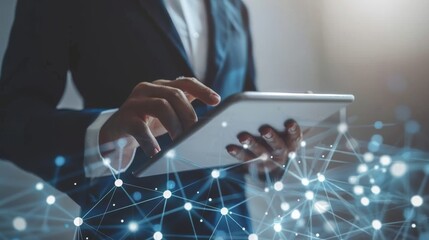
[(215, 96), (268, 135), (231, 150), (156, 150), (245, 140), (292, 128)]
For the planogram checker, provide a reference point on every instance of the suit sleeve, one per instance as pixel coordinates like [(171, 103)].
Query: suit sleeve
[(250, 82), (33, 133)]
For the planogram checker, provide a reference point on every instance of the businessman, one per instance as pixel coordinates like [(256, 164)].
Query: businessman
[(136, 65)]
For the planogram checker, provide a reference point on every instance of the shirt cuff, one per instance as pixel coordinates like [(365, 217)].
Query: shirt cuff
[(95, 165)]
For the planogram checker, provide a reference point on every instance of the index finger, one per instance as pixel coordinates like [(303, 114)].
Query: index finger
[(194, 88)]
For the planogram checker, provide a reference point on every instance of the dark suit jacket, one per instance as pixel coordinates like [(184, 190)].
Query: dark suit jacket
[(109, 46)]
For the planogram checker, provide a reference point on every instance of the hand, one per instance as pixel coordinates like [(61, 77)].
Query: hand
[(153, 109), (270, 151)]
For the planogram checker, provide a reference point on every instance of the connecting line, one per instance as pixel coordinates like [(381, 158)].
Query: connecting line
[(95, 205), (107, 207)]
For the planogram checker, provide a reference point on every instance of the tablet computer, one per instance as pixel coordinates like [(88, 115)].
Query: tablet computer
[(204, 146)]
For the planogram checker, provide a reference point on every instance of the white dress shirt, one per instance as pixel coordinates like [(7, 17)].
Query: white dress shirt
[(190, 20)]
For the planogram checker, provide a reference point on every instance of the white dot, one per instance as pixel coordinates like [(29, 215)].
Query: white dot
[(385, 160), (253, 236), (368, 157), (210, 199), (303, 143), (358, 190), (353, 180), (133, 226), (321, 206), (342, 128), (78, 221), (362, 168), (106, 162), (118, 182), (167, 194), (413, 225), (285, 206), (266, 189), (215, 173), (201, 220), (224, 124), (39, 186), (292, 155), (295, 214), (305, 181), (317, 234), (188, 206), (309, 195), (277, 227), (375, 189), (321, 177), (278, 186), (224, 211), (19, 223), (416, 201), (398, 169), (364, 201), (376, 224), (245, 146), (50, 200), (170, 154), (157, 235), (122, 220)]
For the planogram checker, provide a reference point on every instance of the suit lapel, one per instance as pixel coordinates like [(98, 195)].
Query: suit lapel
[(156, 10)]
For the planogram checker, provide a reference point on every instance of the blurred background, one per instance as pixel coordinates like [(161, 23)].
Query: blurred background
[(377, 50)]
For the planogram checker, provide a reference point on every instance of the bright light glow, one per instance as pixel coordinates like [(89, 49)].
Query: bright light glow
[(376, 224), (170, 154), (39, 186), (245, 146), (358, 190), (157, 235), (309, 195), (303, 143), (368, 157), (305, 181), (266, 189), (416, 201), (398, 169), (385, 160), (277, 227), (118, 182), (224, 124), (375, 189), (295, 214), (19, 223), (362, 168), (78, 221), (413, 225), (133, 226), (342, 128), (278, 186), (106, 162), (364, 201), (167, 194), (224, 211), (321, 177), (50, 200), (253, 236), (321, 206), (188, 206), (353, 180), (215, 173), (285, 206), (292, 155)]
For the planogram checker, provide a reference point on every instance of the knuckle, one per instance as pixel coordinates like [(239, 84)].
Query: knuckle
[(177, 93), (161, 102)]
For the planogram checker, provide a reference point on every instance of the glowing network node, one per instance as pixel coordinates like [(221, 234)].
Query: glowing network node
[(398, 169), (253, 236), (305, 181), (170, 154), (50, 200), (224, 211), (188, 206), (167, 194), (224, 124), (413, 225), (376, 224), (266, 189), (295, 214), (303, 143), (362, 168), (277, 227), (60, 161), (378, 125), (416, 201), (358, 190), (106, 162), (133, 226), (285, 206), (342, 128), (321, 206), (39, 186), (368, 157), (375, 189), (122, 142), (78, 221), (364, 201), (245, 146), (278, 186), (317, 235), (321, 177), (19, 223), (137, 196), (309, 195), (119, 182), (157, 235), (215, 173), (385, 160), (292, 155), (353, 180)]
